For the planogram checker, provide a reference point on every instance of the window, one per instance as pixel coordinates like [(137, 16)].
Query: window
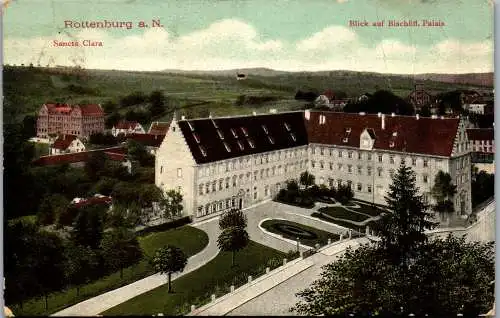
[(369, 156), (413, 161), (339, 166), (200, 189), (426, 162), (227, 183), (313, 164), (379, 158), (424, 178), (287, 126), (221, 136), (322, 151), (339, 183), (349, 154), (234, 181), (179, 172), (340, 153), (331, 152), (321, 165), (240, 145), (369, 188), (349, 183), (271, 140), (313, 150), (359, 187), (331, 165), (369, 171), (214, 186), (360, 155), (195, 135), (293, 136), (234, 133), (207, 187), (244, 131), (190, 126), (227, 147), (255, 173), (202, 150), (250, 142), (391, 173), (391, 159), (161, 169), (349, 168), (265, 129), (266, 190), (359, 170)]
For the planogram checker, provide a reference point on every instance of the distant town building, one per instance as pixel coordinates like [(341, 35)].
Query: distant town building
[(330, 100), (221, 163), (419, 97), (150, 141), (126, 128), (66, 144), (482, 144), (97, 199), (78, 120), (158, 128)]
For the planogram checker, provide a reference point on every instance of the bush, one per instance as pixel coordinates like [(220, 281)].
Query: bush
[(344, 194), (165, 226)]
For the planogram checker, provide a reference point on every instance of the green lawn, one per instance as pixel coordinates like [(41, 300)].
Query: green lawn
[(322, 236), (368, 209), (197, 286), (189, 239), (41, 149), (341, 213)]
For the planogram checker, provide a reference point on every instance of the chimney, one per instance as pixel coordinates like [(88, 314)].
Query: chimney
[(383, 121), (418, 116), (307, 114)]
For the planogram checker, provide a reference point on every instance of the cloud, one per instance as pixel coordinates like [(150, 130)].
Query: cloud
[(231, 43)]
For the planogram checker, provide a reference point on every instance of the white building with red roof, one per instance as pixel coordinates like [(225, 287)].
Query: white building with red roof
[(220, 163), (127, 128), (66, 144), (79, 120)]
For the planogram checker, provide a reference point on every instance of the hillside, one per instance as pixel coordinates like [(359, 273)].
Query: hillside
[(216, 92)]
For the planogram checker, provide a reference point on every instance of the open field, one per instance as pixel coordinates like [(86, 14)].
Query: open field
[(189, 239), (197, 286)]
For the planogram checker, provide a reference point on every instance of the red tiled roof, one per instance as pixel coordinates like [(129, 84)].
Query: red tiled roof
[(87, 110), (92, 201), (63, 141), (423, 135), (481, 134), (158, 128), (222, 138), (126, 125), (115, 153), (149, 139)]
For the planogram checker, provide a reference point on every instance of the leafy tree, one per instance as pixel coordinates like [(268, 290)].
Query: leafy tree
[(29, 126), (403, 230), (233, 239), (233, 218), (306, 179), (113, 119), (51, 208), (81, 263), (172, 204), (292, 185), (120, 249), (168, 260), (104, 186), (109, 106), (381, 101), (157, 106), (133, 99), (443, 191), (343, 193), (124, 193), (138, 151), (89, 226), (95, 165), (447, 277), (425, 111), (483, 187)]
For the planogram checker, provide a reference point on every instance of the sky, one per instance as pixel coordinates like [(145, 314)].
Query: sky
[(289, 35)]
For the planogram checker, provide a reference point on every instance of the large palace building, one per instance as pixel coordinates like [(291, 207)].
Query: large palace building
[(63, 119), (220, 163)]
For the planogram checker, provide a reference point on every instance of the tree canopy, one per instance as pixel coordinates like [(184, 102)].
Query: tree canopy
[(168, 260)]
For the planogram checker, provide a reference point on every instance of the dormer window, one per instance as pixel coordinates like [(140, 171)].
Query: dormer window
[(265, 129), (202, 150), (240, 145), (287, 126), (395, 134), (190, 126), (391, 144), (344, 140), (250, 142), (348, 130), (271, 140), (221, 136), (244, 131), (227, 147), (215, 124), (293, 136), (196, 138), (234, 133)]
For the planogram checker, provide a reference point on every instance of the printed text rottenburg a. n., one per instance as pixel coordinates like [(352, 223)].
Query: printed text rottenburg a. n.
[(106, 24)]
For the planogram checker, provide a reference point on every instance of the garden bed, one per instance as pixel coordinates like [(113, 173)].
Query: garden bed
[(369, 209), (291, 230), (342, 213)]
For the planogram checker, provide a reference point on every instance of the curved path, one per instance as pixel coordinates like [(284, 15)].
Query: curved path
[(103, 302)]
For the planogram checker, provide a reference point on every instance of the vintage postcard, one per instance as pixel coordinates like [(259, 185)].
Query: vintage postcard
[(248, 157)]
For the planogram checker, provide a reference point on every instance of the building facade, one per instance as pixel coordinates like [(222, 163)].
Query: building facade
[(66, 144), (79, 120), (220, 163), (482, 144), (126, 128)]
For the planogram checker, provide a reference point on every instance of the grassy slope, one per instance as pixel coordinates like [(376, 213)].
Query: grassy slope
[(189, 239), (200, 284), (26, 89)]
